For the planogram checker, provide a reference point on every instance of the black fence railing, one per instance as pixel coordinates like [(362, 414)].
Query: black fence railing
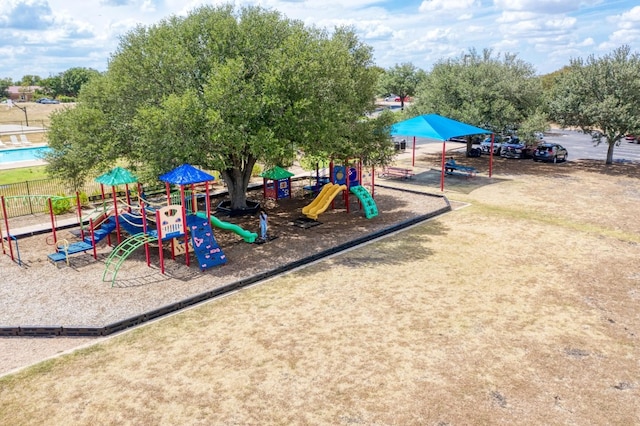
[(20, 126), (30, 197)]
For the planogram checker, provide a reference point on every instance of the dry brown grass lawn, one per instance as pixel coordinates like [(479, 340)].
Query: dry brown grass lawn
[(38, 115), (521, 308)]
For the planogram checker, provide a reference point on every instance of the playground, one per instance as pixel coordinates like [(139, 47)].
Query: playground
[(77, 291)]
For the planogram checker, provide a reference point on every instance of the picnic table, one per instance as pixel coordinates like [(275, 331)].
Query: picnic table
[(396, 172), (453, 168)]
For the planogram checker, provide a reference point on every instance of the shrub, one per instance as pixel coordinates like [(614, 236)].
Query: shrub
[(84, 199), (60, 205)]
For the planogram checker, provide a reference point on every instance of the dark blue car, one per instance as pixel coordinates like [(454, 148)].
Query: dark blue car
[(551, 152)]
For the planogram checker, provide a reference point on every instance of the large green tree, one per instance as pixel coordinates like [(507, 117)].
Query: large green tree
[(494, 92), (601, 96), (69, 82), (222, 89), (402, 80), (4, 85)]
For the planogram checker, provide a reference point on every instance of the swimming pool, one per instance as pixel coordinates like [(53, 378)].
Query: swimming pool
[(23, 154)]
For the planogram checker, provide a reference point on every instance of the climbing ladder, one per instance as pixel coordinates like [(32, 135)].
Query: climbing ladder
[(369, 205), (122, 251)]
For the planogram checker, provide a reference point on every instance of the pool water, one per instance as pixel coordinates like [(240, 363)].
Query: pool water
[(23, 154)]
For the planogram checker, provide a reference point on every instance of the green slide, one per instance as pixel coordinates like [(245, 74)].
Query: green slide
[(370, 207), (247, 236)]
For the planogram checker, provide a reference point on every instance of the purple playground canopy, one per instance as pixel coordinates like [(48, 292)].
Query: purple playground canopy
[(186, 174)]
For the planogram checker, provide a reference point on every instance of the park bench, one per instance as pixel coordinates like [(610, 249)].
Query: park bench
[(453, 168), (396, 172)]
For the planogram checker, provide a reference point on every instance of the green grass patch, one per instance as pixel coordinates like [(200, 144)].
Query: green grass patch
[(22, 174)]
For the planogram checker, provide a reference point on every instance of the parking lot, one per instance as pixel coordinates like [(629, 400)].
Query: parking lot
[(580, 147)]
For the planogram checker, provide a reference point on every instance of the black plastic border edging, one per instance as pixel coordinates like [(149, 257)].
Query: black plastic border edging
[(55, 331)]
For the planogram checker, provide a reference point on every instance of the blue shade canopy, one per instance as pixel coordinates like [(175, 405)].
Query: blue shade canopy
[(117, 176), (435, 126), (186, 174)]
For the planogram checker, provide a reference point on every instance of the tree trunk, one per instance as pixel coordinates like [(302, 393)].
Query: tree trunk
[(610, 153), (237, 180)]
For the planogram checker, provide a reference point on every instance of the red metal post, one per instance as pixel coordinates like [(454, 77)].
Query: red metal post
[(444, 154), (348, 183), (184, 226), (115, 211), (160, 252), (6, 221), (104, 209), (93, 238), (143, 213), (491, 155), (53, 222), (264, 188), (413, 159), (208, 200), (6, 225), (79, 208), (373, 180), (127, 196)]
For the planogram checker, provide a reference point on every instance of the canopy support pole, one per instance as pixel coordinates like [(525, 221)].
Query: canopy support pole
[(444, 154), (413, 157), (491, 155)]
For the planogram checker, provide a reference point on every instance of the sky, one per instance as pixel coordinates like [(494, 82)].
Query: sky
[(47, 37)]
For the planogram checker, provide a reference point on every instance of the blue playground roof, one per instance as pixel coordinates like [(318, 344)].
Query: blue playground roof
[(435, 126), (186, 174)]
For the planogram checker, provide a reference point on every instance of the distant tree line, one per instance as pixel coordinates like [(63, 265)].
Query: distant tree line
[(503, 94), (65, 84)]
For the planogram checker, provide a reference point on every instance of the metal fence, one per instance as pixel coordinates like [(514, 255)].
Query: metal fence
[(8, 127), (30, 197)]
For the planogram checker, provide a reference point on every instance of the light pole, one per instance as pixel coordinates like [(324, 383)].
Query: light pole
[(24, 109)]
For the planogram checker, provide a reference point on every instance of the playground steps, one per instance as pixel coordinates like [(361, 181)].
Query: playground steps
[(121, 252), (107, 227), (62, 253)]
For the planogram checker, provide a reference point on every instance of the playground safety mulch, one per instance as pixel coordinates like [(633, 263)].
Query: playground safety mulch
[(41, 294)]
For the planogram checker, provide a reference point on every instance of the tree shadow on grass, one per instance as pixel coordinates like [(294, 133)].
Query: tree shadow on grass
[(396, 250), (431, 179)]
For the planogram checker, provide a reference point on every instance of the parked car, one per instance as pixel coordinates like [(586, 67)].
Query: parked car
[(550, 152), (399, 99), (47, 101), (516, 149), (485, 145), (632, 138)]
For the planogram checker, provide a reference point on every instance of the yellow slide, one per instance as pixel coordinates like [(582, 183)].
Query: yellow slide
[(322, 201)]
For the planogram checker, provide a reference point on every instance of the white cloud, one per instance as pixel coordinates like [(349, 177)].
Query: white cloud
[(542, 6), (85, 32), (446, 5), (629, 19), (510, 17)]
